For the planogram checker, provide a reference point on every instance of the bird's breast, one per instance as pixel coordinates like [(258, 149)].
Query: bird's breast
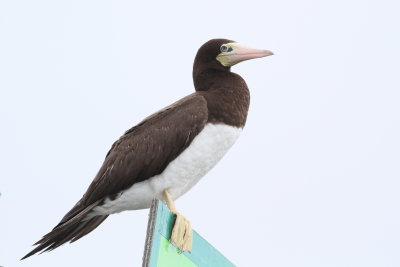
[(206, 149)]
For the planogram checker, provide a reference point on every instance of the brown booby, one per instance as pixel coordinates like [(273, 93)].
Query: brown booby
[(168, 152)]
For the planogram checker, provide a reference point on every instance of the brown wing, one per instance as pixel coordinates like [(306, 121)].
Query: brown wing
[(142, 152), (146, 149)]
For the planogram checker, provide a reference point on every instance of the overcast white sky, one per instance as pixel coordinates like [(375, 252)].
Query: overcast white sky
[(314, 179)]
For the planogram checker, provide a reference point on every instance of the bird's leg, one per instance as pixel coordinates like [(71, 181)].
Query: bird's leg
[(182, 234)]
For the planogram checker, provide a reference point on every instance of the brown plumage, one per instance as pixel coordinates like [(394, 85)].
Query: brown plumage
[(142, 152), (146, 149)]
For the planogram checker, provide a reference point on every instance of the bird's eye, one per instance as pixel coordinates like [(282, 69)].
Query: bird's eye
[(225, 48)]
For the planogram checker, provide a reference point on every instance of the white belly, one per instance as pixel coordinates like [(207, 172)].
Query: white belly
[(206, 149)]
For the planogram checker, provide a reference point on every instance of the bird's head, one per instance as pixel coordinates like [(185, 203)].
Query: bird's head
[(224, 53), (221, 54)]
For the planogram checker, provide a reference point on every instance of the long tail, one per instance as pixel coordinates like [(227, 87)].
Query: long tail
[(71, 230)]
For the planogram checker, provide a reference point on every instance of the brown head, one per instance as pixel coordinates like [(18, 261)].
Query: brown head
[(218, 55)]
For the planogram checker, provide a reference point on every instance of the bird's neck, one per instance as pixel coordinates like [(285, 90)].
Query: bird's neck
[(227, 96), (211, 79)]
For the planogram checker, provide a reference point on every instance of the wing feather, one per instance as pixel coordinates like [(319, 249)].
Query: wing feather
[(142, 152)]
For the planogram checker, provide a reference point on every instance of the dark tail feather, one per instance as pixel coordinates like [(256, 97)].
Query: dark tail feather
[(70, 230), (96, 221)]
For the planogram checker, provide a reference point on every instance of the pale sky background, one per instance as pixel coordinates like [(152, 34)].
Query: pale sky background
[(314, 179)]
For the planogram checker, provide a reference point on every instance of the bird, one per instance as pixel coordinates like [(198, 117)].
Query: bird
[(168, 152)]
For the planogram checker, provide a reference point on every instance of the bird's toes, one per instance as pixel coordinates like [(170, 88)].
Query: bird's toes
[(182, 233)]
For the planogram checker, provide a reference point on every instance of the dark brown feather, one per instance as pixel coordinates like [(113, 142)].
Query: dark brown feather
[(146, 149), (226, 93), (64, 232), (142, 152)]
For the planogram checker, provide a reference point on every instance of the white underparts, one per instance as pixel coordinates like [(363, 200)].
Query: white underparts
[(206, 149)]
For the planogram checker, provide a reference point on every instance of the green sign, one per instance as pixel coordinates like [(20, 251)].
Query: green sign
[(159, 252)]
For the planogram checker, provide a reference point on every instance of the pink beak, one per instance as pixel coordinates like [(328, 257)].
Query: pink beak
[(241, 53)]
